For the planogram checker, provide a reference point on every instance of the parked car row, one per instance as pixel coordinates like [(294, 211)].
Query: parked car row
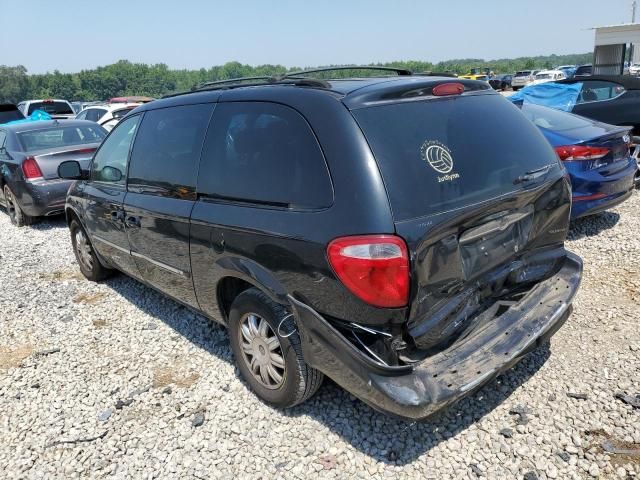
[(254, 202)]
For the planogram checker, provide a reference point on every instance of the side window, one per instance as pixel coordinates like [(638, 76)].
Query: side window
[(599, 90), (110, 161), (165, 157), (264, 153)]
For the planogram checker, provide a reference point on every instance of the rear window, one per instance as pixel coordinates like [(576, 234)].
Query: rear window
[(438, 155), (52, 108), (551, 119), (8, 114), (60, 137), (121, 113), (524, 73)]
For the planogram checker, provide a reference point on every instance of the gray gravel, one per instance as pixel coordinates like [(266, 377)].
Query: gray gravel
[(113, 380)]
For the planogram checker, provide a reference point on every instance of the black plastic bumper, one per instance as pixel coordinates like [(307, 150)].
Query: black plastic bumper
[(416, 392)]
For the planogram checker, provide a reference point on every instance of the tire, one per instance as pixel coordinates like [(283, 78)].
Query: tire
[(16, 215), (86, 257), (298, 381)]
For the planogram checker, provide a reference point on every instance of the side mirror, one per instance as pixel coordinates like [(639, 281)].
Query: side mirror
[(70, 170), (111, 174)]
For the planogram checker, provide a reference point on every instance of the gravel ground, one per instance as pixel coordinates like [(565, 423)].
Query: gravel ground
[(113, 380)]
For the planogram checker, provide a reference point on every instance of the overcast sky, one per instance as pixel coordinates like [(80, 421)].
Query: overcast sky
[(70, 35)]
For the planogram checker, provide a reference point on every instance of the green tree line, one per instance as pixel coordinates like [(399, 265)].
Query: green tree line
[(126, 78)]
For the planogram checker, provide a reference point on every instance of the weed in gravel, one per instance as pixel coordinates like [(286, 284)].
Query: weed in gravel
[(89, 298), (167, 375), (60, 275), (11, 357)]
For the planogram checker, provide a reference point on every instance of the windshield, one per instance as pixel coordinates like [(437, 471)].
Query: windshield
[(438, 155), (551, 119), (51, 107), (58, 137)]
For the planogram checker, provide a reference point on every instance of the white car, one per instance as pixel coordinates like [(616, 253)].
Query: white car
[(107, 115), (634, 69), (58, 109), (549, 76)]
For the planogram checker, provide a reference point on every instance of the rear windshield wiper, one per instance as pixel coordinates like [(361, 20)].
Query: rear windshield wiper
[(533, 174)]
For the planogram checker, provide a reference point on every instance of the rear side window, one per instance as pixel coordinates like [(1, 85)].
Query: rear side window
[(167, 149), (264, 153), (438, 155), (598, 90), (60, 137), (51, 107)]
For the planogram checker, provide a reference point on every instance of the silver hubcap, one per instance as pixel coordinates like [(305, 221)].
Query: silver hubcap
[(261, 350), (84, 250)]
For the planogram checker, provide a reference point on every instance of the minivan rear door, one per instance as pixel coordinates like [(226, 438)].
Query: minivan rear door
[(473, 185)]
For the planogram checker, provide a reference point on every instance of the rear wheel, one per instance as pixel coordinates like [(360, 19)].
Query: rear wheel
[(16, 215), (86, 256), (267, 349)]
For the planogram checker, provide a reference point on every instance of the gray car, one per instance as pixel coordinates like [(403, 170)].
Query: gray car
[(29, 157)]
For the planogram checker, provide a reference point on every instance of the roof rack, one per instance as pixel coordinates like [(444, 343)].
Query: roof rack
[(298, 78), (398, 71)]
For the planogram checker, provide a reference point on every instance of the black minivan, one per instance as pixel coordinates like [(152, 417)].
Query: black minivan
[(376, 230)]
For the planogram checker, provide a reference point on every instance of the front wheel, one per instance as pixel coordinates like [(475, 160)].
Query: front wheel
[(86, 257), (16, 215), (267, 350)]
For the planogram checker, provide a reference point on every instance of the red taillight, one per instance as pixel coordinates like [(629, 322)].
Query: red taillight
[(572, 153), (30, 169), (375, 268), (445, 89)]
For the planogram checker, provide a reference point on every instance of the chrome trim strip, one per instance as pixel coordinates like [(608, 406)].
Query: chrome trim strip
[(112, 245), (169, 268)]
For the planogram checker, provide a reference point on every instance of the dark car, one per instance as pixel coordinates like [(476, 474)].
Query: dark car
[(583, 70), (29, 157), (9, 113), (376, 230), (613, 99), (501, 82), (595, 154)]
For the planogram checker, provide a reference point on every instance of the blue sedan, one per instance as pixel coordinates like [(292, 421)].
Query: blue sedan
[(595, 154)]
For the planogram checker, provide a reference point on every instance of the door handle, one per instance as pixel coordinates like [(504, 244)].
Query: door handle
[(132, 222)]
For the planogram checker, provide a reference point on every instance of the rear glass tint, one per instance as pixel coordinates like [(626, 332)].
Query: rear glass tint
[(438, 155), (60, 137), (10, 115), (52, 108), (555, 120)]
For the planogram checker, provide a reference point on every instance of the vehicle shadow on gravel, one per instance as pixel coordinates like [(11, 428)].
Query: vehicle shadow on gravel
[(400, 442), (592, 225), (389, 440)]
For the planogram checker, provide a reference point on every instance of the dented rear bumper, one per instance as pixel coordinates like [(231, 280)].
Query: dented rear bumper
[(417, 391)]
